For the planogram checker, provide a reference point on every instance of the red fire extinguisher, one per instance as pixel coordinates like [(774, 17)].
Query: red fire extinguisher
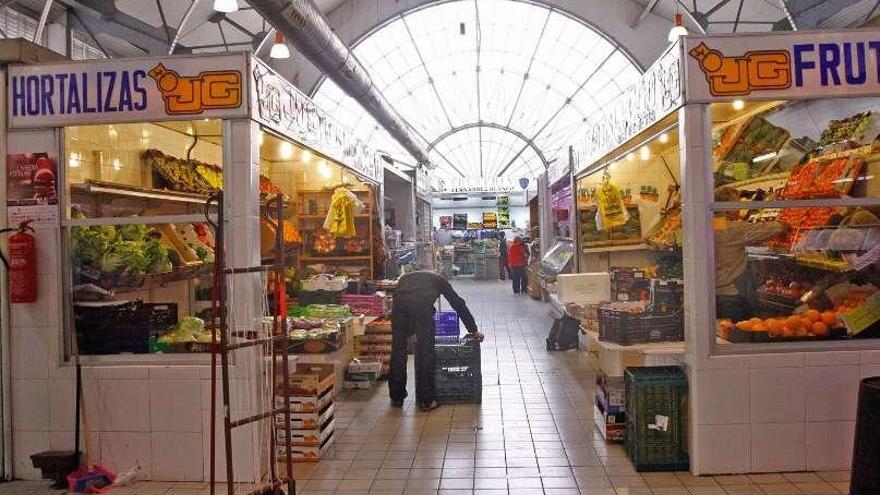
[(23, 265)]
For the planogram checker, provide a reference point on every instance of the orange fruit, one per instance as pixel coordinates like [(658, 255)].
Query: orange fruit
[(760, 327), (745, 325), (829, 318), (776, 331), (813, 315), (820, 329), (793, 322), (800, 332), (787, 333), (756, 320), (806, 323)]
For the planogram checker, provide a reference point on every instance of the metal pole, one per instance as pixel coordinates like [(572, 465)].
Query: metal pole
[(42, 24)]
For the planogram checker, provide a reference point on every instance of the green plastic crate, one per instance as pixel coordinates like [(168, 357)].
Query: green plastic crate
[(656, 418)]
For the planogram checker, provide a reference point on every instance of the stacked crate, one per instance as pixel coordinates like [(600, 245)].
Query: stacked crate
[(312, 417), (375, 343), (457, 373), (656, 418)]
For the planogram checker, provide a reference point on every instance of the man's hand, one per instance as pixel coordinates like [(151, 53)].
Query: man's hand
[(478, 336)]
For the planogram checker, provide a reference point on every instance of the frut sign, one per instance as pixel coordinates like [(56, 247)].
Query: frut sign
[(800, 65), (127, 91)]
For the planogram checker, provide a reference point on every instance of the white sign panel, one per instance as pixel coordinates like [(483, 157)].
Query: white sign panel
[(786, 66), (127, 90), (657, 93), (481, 185), (281, 106)]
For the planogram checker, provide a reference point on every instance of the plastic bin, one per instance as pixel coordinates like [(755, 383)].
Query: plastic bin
[(121, 327), (446, 324), (656, 418), (625, 328), (457, 372)]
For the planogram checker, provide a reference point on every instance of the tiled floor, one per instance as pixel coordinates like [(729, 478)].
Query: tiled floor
[(532, 434)]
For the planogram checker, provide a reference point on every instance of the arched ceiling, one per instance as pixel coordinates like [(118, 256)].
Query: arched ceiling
[(493, 87)]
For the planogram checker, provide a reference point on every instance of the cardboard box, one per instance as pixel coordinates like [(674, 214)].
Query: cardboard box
[(307, 404), (306, 437), (306, 420), (583, 287), (305, 453), (611, 427), (311, 379), (366, 365), (358, 385)]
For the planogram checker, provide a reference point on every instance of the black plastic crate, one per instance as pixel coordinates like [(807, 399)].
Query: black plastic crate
[(626, 328), (123, 327), (457, 373), (656, 418)]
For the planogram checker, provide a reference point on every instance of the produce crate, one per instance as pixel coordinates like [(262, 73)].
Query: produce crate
[(309, 379), (446, 324), (656, 418), (309, 403), (122, 327), (625, 328), (457, 372), (370, 305)]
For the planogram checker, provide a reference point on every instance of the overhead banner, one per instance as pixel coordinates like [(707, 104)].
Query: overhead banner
[(127, 90), (787, 66), (281, 106)]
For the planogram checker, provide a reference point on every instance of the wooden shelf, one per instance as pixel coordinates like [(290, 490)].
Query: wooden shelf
[(608, 249), (336, 258), (322, 217), (124, 191)]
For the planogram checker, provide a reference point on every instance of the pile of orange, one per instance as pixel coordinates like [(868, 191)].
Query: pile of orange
[(811, 323)]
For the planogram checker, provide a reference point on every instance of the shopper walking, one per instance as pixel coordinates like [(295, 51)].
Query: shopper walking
[(518, 257), (504, 269), (412, 313)]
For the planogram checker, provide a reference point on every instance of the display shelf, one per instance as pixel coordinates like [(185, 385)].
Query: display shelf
[(336, 258), (609, 249), (95, 187), (324, 216), (773, 256), (158, 280), (656, 348)]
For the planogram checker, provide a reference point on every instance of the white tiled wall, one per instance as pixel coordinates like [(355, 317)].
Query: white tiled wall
[(796, 418), (152, 417)]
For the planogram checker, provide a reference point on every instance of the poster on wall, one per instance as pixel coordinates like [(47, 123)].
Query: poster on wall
[(31, 188), (503, 205), (459, 221), (446, 222)]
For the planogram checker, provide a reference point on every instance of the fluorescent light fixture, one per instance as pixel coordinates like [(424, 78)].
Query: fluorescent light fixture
[(644, 152), (286, 151), (112, 132), (664, 138), (116, 165), (738, 104), (73, 160), (306, 156), (226, 6), (324, 169), (764, 157), (678, 30), (279, 49), (630, 157)]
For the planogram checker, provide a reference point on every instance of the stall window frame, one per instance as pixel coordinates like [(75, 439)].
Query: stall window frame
[(716, 348)]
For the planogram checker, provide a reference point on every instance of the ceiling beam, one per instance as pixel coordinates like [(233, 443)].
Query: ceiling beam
[(102, 16), (649, 7)]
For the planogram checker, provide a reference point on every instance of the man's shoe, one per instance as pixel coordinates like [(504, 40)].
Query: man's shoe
[(397, 403), (430, 406)]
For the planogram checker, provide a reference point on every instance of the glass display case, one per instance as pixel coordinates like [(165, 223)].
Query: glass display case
[(558, 259), (796, 226)]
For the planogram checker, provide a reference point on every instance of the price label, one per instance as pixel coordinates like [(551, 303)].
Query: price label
[(859, 263), (859, 319)]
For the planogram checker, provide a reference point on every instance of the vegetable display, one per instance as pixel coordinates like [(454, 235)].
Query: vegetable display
[(849, 129), (128, 250)]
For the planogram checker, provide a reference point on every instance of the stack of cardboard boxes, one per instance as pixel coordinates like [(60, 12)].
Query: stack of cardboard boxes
[(312, 418)]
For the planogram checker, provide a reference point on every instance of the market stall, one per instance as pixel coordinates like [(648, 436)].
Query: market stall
[(114, 164), (398, 196), (758, 187)]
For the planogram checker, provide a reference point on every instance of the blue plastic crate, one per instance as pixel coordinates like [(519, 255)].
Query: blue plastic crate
[(446, 324)]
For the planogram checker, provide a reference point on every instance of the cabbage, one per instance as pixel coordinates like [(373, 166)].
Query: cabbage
[(189, 328)]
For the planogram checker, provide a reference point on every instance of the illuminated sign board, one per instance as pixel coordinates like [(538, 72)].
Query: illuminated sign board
[(801, 65), (127, 90)]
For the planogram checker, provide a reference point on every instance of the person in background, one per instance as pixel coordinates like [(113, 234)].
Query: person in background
[(412, 313), (518, 258), (504, 269), (735, 291)]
